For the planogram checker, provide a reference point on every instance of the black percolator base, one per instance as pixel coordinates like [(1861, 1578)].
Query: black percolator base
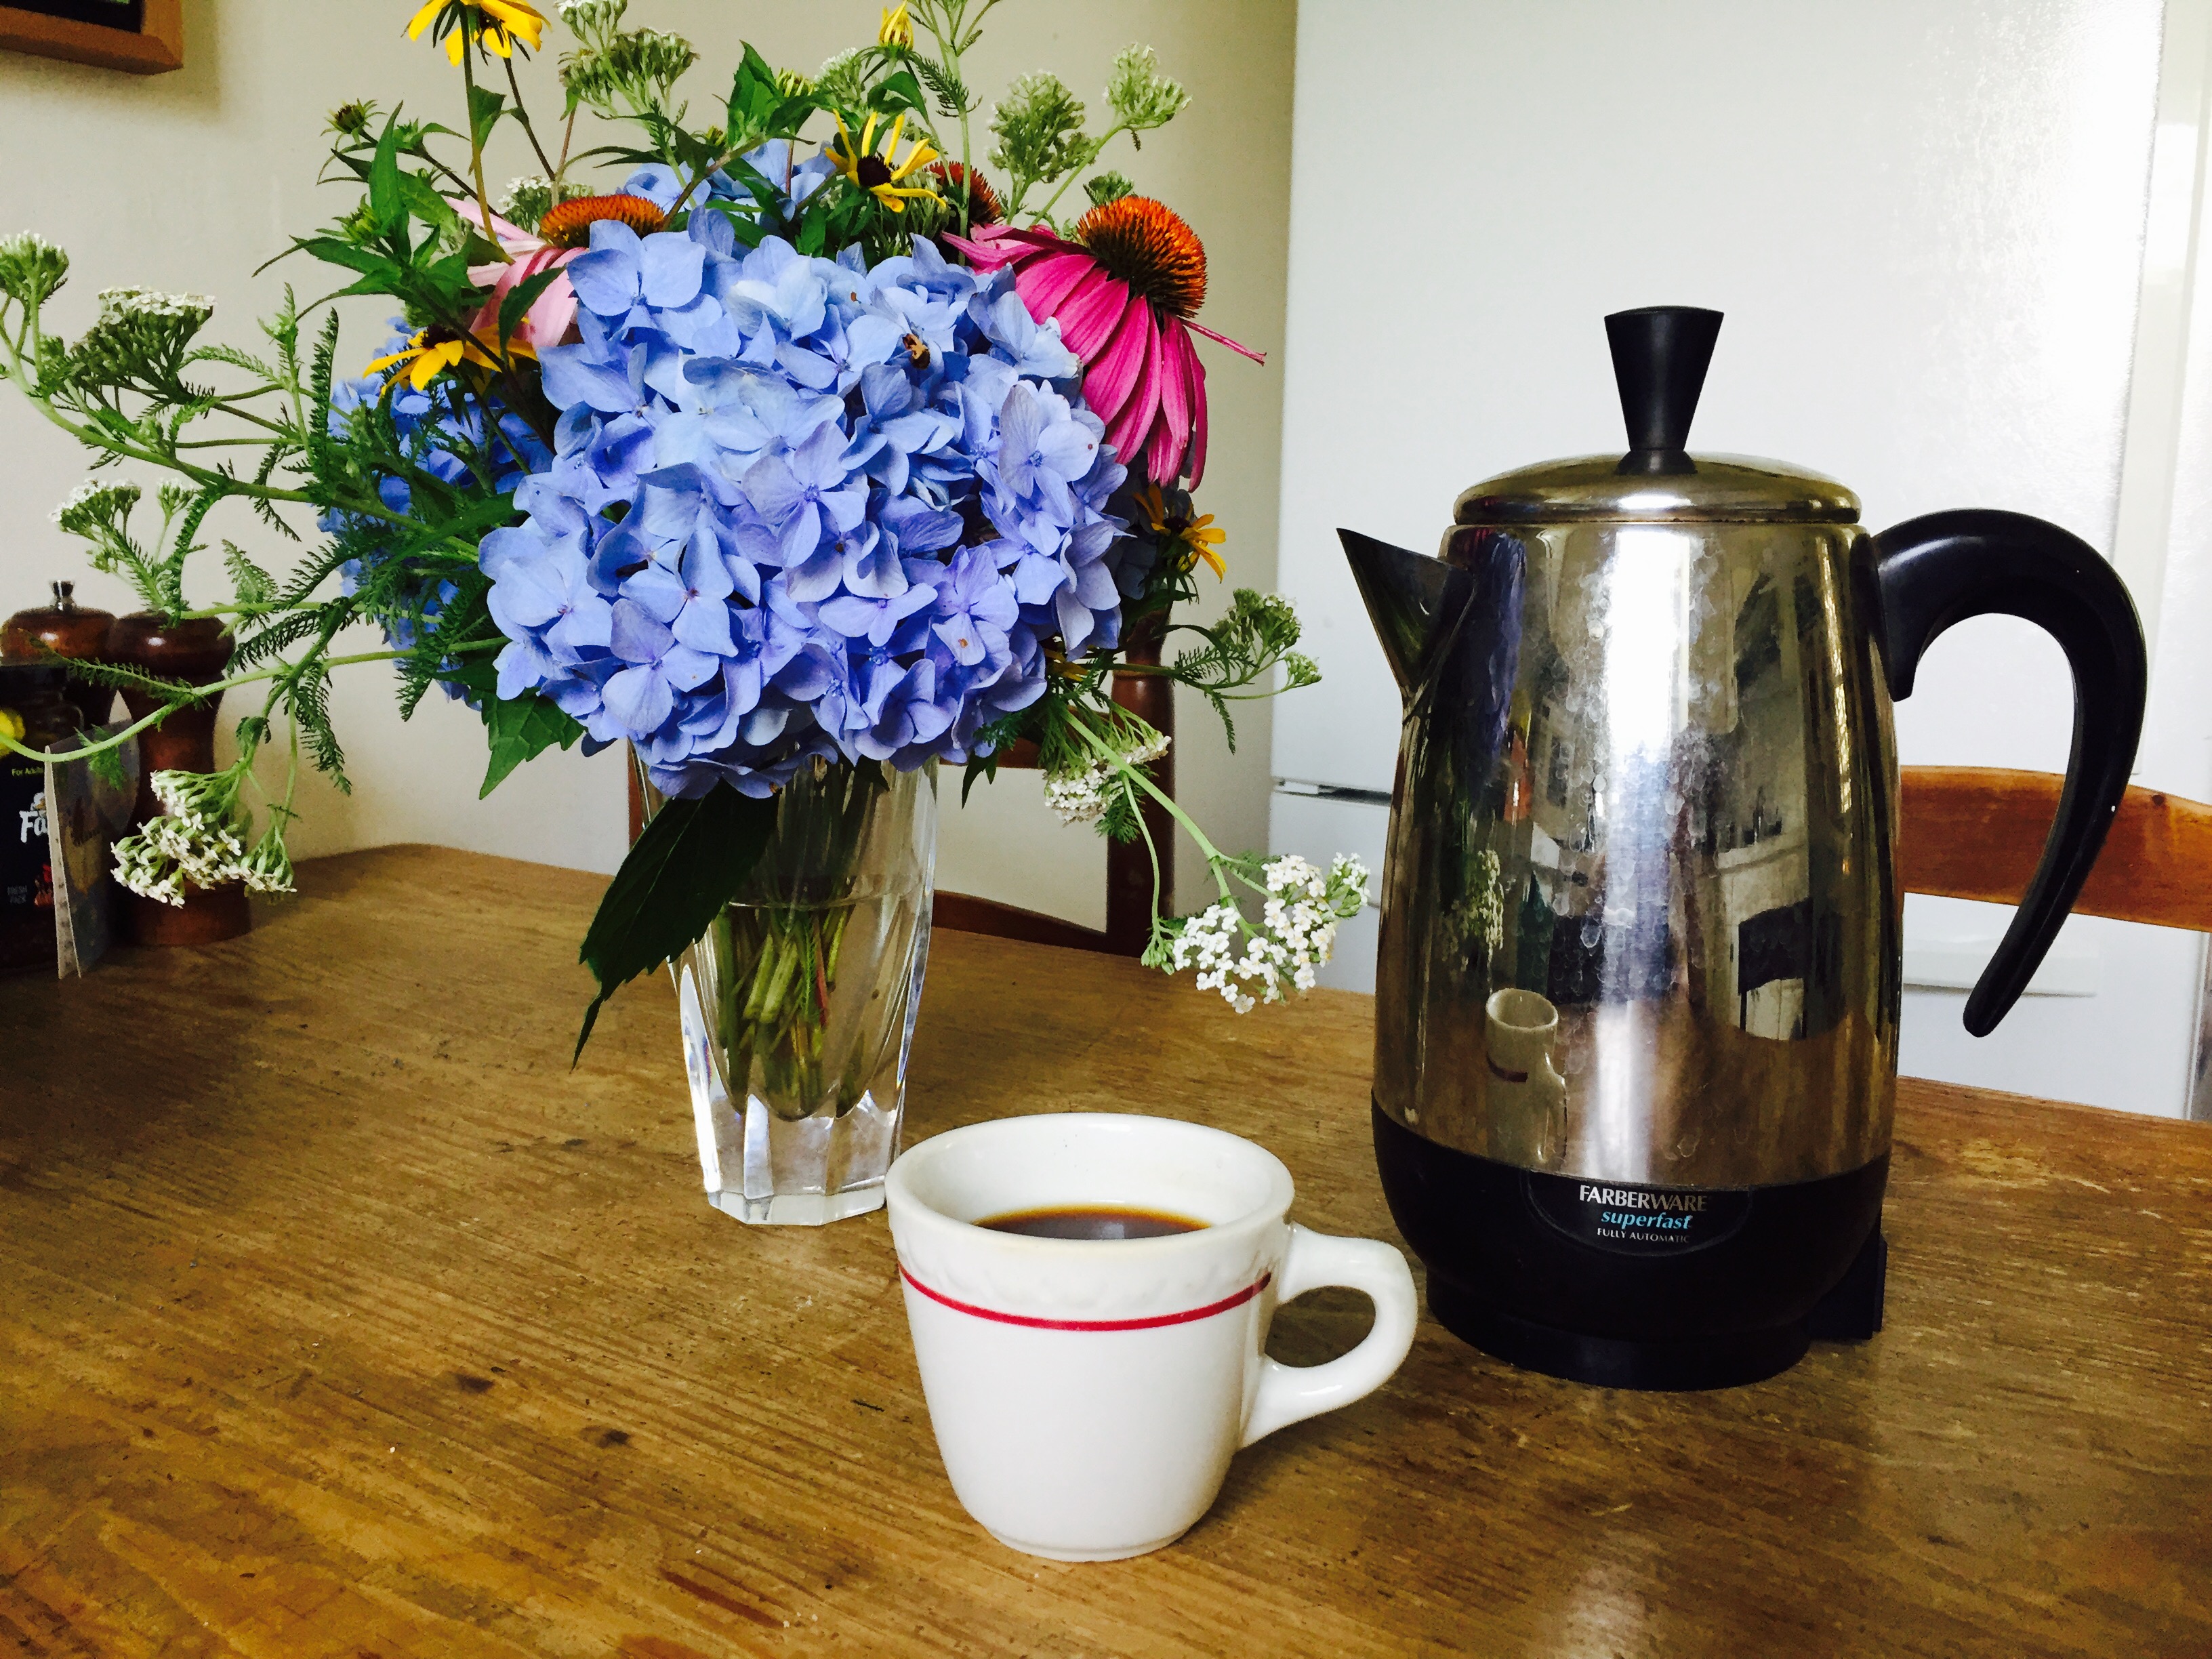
[(1691, 1289)]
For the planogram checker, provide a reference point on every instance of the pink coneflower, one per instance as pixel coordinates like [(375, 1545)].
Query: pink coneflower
[(563, 233), (1123, 290)]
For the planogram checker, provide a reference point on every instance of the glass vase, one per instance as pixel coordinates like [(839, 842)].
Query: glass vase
[(798, 1005)]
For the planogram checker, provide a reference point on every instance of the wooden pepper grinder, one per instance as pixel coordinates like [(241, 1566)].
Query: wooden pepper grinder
[(65, 629), (196, 650)]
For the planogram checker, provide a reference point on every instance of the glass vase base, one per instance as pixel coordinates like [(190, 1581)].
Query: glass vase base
[(770, 1170), (799, 1209)]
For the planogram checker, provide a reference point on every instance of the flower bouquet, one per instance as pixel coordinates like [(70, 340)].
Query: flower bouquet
[(787, 449)]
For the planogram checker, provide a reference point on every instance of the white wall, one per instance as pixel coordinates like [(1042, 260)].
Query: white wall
[(1925, 221), (190, 180)]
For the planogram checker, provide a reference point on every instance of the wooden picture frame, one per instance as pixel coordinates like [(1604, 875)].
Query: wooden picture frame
[(155, 47)]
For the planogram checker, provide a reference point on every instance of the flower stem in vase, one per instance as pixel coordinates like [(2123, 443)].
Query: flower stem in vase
[(794, 1035)]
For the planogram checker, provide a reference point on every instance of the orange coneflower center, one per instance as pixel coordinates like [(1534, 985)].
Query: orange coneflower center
[(568, 224), (983, 207), (1149, 247)]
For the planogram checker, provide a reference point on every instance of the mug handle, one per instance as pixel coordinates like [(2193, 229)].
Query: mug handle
[(1291, 1394)]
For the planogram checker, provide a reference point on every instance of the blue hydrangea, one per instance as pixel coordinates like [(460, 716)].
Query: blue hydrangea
[(803, 508)]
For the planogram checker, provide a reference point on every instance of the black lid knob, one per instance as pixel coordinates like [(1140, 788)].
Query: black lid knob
[(1660, 353)]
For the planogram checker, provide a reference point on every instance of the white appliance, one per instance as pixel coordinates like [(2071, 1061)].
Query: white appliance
[(1934, 213)]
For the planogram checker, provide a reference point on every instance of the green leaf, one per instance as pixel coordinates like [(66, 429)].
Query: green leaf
[(985, 767), (332, 251), (448, 279), (424, 202), (485, 108), (519, 299), (252, 585), (687, 866), (753, 94), (785, 120), (386, 205), (520, 729), (895, 91), (106, 765)]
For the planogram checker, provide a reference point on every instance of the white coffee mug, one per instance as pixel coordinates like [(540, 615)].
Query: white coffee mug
[(1087, 1394)]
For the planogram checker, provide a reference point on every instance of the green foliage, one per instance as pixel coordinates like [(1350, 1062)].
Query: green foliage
[(1108, 187), (32, 269), (1039, 127), (100, 514), (522, 729), (688, 864), (989, 745), (306, 697), (251, 586), (352, 119), (1140, 97), (519, 298), (107, 766), (517, 729), (761, 106), (125, 679), (1242, 651), (841, 83), (950, 93)]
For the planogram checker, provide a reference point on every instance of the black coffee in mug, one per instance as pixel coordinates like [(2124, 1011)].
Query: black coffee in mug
[(1090, 1221)]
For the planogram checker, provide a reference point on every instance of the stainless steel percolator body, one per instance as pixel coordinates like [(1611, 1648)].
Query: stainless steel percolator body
[(1647, 777)]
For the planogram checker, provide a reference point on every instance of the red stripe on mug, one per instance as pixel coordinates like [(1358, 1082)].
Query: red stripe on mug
[(1151, 1323)]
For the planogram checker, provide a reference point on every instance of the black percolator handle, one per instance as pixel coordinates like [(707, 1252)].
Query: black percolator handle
[(1931, 572)]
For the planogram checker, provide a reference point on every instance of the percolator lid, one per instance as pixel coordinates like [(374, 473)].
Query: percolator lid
[(1660, 354)]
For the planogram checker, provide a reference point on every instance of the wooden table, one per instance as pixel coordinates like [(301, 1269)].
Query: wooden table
[(338, 1318)]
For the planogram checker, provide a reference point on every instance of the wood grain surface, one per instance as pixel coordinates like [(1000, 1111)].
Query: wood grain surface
[(338, 1318)]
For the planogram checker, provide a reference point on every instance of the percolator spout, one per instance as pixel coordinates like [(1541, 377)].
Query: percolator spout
[(1404, 593)]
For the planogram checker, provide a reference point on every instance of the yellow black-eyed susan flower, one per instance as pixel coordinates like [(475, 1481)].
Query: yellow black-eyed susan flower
[(882, 175), (434, 350), (1174, 523), (497, 24)]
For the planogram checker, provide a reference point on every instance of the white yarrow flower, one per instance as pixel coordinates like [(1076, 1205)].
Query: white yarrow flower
[(196, 842), (1078, 800), (94, 501), (120, 302), (1080, 796), (1295, 936)]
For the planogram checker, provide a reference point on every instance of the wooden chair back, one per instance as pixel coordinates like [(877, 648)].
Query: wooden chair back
[(1977, 832)]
